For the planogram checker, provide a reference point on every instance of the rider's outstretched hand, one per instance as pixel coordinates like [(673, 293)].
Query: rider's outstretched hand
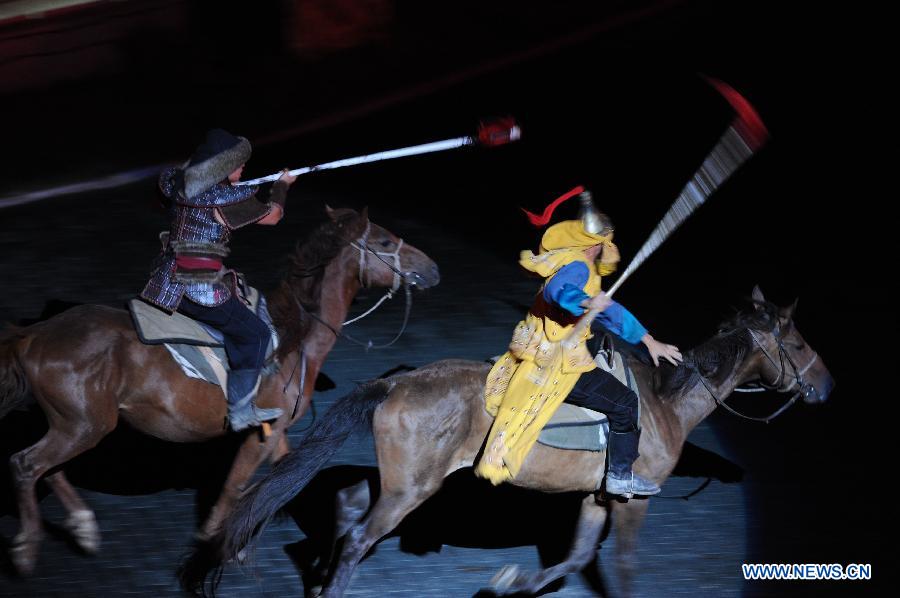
[(670, 353), (287, 177)]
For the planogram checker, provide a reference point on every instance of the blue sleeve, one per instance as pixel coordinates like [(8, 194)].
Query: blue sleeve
[(566, 287), (622, 323)]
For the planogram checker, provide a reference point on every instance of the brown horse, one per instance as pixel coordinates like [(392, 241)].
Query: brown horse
[(431, 422), (87, 369)]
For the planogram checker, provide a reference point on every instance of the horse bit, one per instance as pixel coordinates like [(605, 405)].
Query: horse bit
[(804, 389)]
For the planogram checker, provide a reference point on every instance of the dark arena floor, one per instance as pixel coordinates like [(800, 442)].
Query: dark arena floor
[(618, 109)]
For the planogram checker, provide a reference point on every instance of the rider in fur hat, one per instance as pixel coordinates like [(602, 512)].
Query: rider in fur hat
[(189, 275)]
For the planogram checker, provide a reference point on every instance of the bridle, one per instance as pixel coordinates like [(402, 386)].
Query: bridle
[(406, 279), (362, 246), (804, 389)]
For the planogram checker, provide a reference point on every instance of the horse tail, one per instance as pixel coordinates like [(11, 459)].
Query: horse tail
[(14, 385), (287, 478)]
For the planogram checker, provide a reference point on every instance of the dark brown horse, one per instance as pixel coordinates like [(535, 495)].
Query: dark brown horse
[(87, 369), (431, 422)]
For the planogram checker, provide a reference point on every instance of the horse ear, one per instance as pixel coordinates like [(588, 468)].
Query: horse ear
[(364, 213), (757, 296), (330, 213), (788, 312)]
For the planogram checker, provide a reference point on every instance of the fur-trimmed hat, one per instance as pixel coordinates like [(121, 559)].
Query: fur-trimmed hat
[(220, 154)]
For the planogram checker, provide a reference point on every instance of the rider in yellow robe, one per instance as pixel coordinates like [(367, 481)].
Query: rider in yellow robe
[(539, 371)]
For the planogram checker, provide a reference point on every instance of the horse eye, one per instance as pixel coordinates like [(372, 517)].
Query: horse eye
[(386, 243)]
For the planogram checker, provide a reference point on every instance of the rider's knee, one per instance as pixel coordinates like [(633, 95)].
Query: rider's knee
[(624, 417)]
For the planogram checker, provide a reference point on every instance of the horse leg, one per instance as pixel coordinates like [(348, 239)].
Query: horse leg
[(388, 512), (250, 455), (627, 521), (81, 522), (350, 505), (56, 447), (415, 452), (590, 524), (282, 448)]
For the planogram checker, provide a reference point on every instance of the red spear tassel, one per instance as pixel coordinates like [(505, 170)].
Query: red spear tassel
[(548, 211), (498, 131), (748, 124)]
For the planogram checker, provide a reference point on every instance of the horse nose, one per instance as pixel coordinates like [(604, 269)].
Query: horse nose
[(429, 278), (826, 389), (819, 394)]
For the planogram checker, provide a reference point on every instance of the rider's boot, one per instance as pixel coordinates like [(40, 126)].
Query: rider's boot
[(620, 479), (242, 412)]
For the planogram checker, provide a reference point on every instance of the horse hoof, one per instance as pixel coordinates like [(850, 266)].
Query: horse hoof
[(84, 529), (504, 579), (241, 557), (315, 592), (202, 536), (23, 554)]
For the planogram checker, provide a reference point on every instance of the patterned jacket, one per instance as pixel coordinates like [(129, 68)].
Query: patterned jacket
[(190, 261)]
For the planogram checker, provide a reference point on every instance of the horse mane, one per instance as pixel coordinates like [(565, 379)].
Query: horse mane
[(716, 358), (305, 271)]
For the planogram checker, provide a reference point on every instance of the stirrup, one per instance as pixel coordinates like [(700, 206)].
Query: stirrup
[(243, 421), (267, 415), (628, 487), (251, 417)]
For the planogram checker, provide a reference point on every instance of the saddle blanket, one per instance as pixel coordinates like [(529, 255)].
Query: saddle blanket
[(197, 348)]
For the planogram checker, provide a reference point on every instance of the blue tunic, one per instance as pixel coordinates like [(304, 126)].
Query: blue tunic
[(566, 289)]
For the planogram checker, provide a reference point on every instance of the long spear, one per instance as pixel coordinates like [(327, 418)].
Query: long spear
[(742, 139), (490, 134)]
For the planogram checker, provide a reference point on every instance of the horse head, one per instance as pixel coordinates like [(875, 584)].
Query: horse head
[(385, 260), (785, 361)]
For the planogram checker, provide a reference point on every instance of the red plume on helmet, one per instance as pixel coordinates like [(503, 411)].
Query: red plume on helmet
[(544, 218)]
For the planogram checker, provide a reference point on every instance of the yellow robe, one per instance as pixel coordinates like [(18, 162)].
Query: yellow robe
[(530, 381)]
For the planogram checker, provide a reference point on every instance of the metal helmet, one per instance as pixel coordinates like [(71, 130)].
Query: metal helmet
[(593, 220)]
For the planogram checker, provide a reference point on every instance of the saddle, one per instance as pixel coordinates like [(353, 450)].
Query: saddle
[(578, 428), (197, 348)]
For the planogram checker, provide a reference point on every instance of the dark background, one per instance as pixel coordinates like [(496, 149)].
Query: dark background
[(608, 95)]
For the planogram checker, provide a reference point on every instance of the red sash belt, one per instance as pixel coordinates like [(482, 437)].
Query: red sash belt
[(198, 263)]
